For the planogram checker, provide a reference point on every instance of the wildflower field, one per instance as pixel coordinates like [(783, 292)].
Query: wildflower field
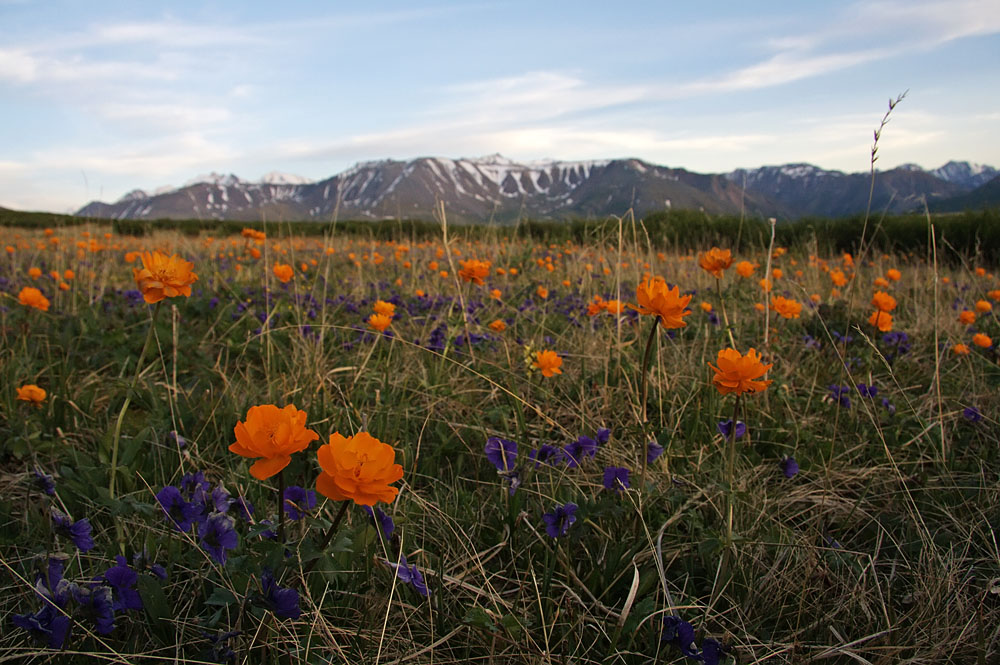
[(271, 448)]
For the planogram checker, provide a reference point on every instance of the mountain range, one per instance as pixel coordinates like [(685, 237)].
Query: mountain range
[(496, 188)]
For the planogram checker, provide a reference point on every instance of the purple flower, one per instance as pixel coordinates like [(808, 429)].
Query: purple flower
[(576, 451), (382, 522), (972, 414), (122, 580), (725, 428), (217, 535), (180, 512), (616, 478), (840, 394), (867, 391), (410, 575), (283, 601), (78, 532), (888, 406), (712, 651), (298, 501), (501, 453), (680, 633), (44, 482), (513, 481), (811, 342), (49, 625), (546, 454), (653, 451), (244, 508), (603, 435), (94, 602), (559, 520), (789, 466)]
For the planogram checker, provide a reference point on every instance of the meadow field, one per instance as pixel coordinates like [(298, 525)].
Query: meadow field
[(613, 451)]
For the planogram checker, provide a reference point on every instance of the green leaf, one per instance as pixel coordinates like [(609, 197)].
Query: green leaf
[(221, 596)]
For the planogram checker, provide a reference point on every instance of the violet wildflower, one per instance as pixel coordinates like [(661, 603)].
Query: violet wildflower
[(501, 453), (141, 561), (546, 454), (381, 521), (891, 408), (410, 575), (725, 428), (789, 466), (217, 535), (616, 478), (298, 501), (840, 394), (180, 512), (78, 532), (94, 602), (513, 481), (712, 651), (972, 414), (867, 391), (680, 633), (244, 508), (653, 451), (603, 436), (49, 625), (576, 451), (44, 482), (282, 601), (811, 342), (559, 520), (122, 580)]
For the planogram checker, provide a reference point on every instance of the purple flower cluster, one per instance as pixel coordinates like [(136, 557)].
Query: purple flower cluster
[(78, 532), (282, 601), (840, 394), (680, 634), (559, 520), (196, 502)]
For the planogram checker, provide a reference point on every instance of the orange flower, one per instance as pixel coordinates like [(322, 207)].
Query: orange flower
[(815, 297), (893, 274), (706, 307), (542, 292), (983, 306), (433, 266), (883, 302), (596, 306), (283, 272), (614, 307), (765, 284), (32, 297), (63, 286), (716, 261), (994, 294), (838, 277), (654, 297), (961, 350), (548, 361), (34, 273), (881, 282), (737, 373), (360, 468), (272, 434), (498, 326), (31, 393), (254, 252), (474, 271), (163, 276), (881, 320), (980, 272), (982, 341), (379, 322), (777, 273), (745, 268), (967, 317), (383, 307), (759, 306), (495, 294), (68, 274), (786, 307)]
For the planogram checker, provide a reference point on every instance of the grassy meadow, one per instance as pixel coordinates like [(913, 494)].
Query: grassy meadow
[(604, 513)]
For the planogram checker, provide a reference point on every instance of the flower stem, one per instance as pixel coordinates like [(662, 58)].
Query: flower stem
[(725, 317), (731, 473), (329, 534), (645, 364), (128, 400), (281, 506)]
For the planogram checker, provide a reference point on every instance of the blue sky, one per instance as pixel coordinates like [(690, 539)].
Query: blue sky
[(100, 98)]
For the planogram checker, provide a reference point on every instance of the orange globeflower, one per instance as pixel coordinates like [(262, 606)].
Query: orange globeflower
[(982, 341), (994, 294), (983, 306), (548, 361), (961, 350), (967, 317), (68, 274), (283, 272), (614, 307), (654, 297), (32, 297), (838, 277), (715, 261), (359, 468), (883, 302), (31, 393), (271, 434), (706, 307), (498, 326), (881, 282), (745, 268), (379, 322), (893, 274), (737, 373), (542, 292), (474, 271), (163, 276), (786, 307), (881, 320), (385, 308)]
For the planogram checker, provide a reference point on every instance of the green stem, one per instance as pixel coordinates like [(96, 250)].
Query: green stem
[(329, 534), (281, 506), (725, 317), (128, 400), (645, 364), (731, 473)]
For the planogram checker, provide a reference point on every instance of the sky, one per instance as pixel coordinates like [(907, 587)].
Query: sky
[(101, 98)]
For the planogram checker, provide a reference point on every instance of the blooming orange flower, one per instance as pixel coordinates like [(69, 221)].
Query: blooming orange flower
[(495, 294), (994, 294), (654, 297), (34, 273), (706, 307), (542, 292), (359, 468), (273, 435), (881, 282), (745, 268), (983, 306), (883, 302), (980, 272), (893, 274), (31, 393), (967, 317), (881, 320), (815, 298), (163, 276), (786, 307), (433, 266), (32, 297), (548, 361), (379, 322), (716, 261), (737, 373), (498, 326), (614, 307), (68, 274), (383, 307), (838, 277), (982, 341), (254, 252), (765, 284), (777, 273), (474, 270), (283, 272), (961, 350)]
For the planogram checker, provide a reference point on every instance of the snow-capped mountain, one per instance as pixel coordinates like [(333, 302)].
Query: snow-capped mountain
[(500, 189), (966, 174)]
